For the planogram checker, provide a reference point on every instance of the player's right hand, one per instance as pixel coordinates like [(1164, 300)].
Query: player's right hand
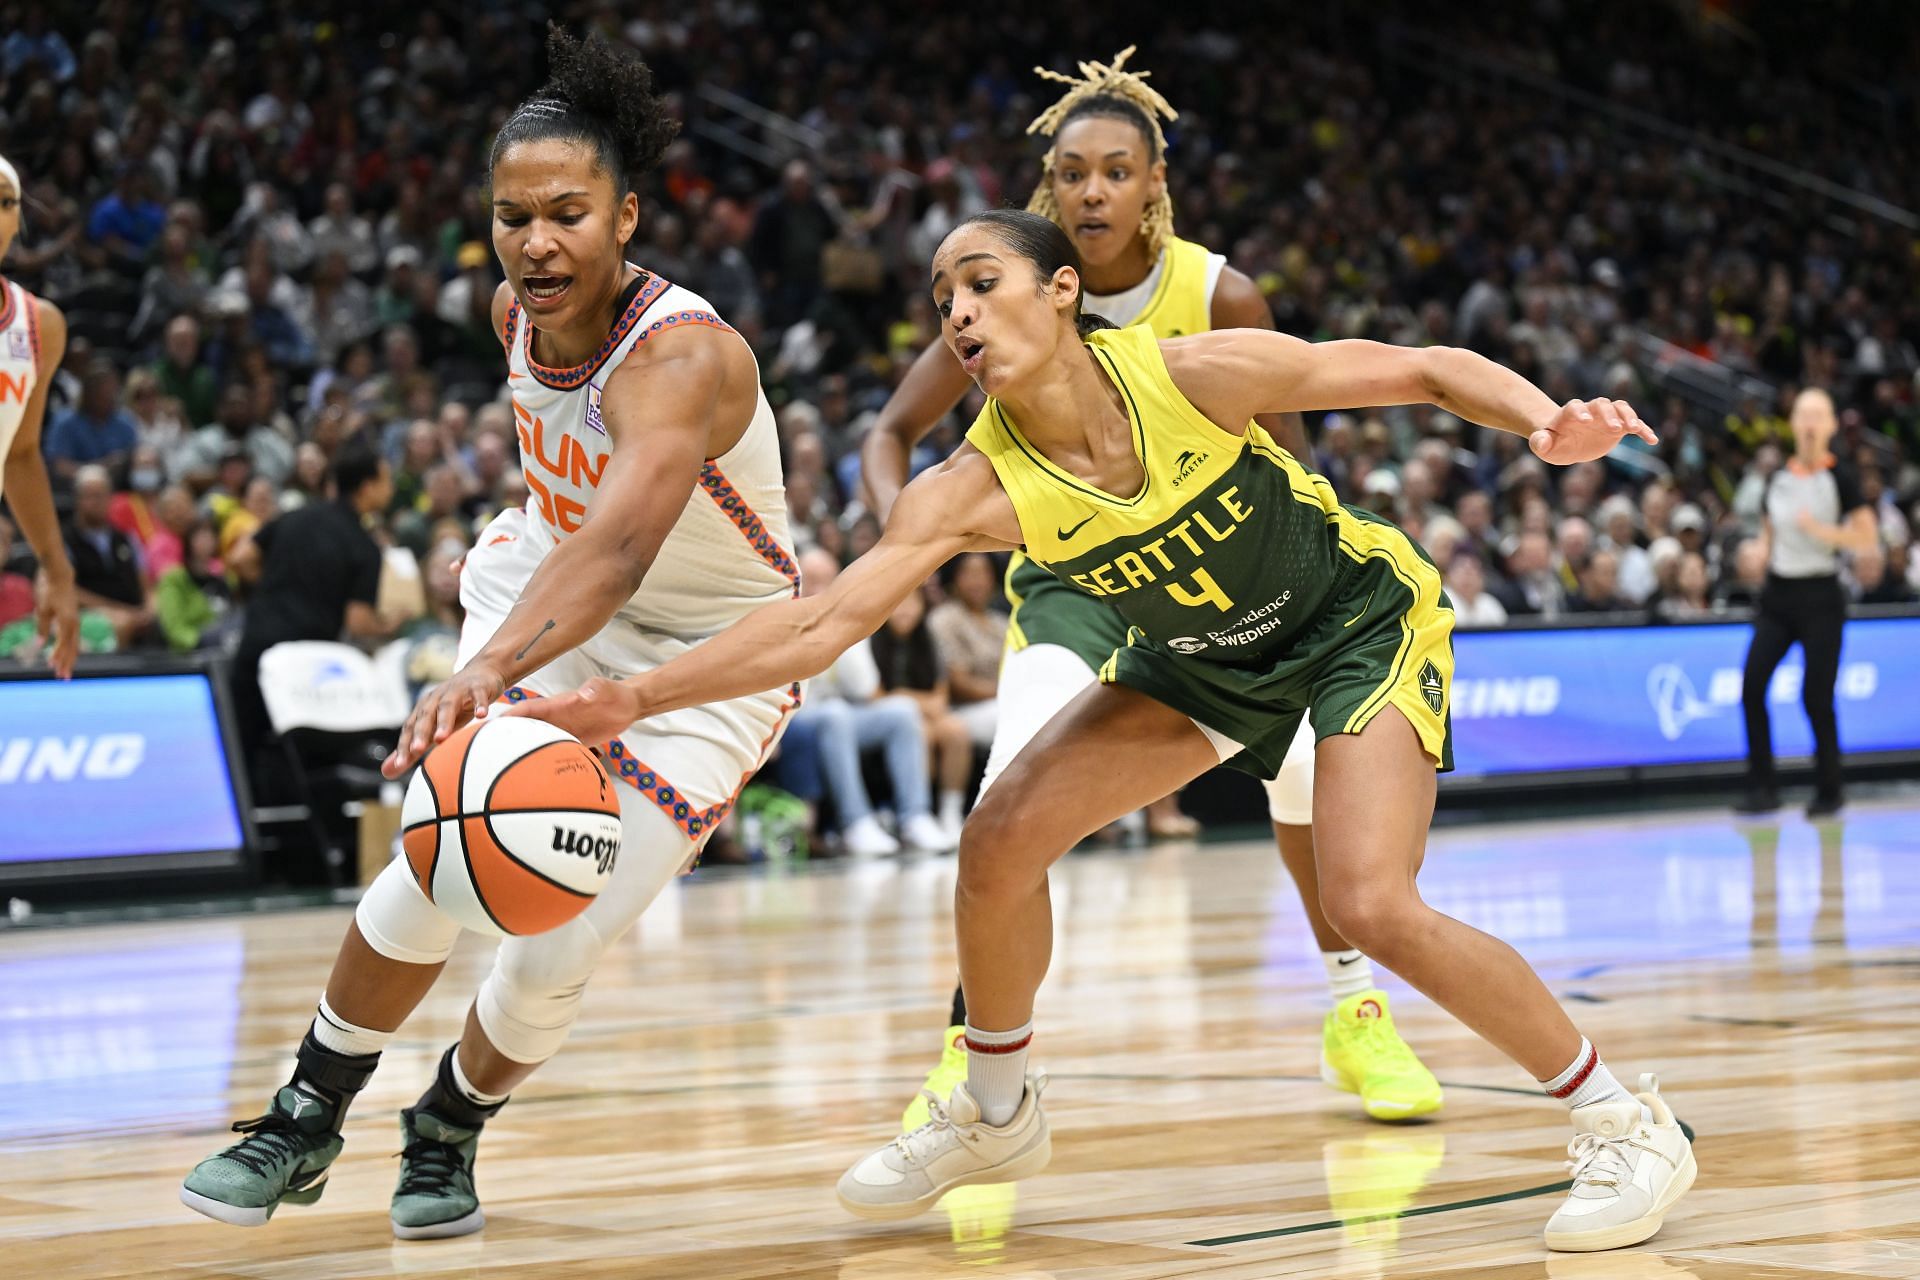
[(56, 612), (441, 710), (597, 712)]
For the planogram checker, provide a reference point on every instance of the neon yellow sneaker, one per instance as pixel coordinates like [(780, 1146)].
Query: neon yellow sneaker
[(950, 1071), (1361, 1053), (1373, 1178)]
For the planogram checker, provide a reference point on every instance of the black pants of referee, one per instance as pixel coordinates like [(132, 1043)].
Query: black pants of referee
[(1811, 611)]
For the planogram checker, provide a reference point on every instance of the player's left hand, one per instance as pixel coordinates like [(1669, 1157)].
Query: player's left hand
[(598, 711), (1583, 430), (56, 613), (440, 711)]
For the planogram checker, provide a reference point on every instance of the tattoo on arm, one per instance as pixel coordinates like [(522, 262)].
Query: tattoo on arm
[(528, 647)]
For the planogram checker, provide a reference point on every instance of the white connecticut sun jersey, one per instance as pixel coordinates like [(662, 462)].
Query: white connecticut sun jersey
[(19, 360), (729, 552)]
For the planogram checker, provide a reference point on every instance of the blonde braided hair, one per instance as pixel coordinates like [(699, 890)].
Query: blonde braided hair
[(1112, 81)]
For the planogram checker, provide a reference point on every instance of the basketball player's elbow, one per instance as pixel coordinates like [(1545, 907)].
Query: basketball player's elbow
[(1434, 372), (819, 635)]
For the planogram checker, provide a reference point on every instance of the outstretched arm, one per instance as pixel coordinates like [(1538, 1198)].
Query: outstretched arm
[(30, 494), (938, 517), (1234, 374), (931, 388), (658, 415), (1239, 304)]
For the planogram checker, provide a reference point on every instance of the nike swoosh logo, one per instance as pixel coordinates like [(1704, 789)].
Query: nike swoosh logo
[(1350, 959), (1356, 617), (1068, 533)]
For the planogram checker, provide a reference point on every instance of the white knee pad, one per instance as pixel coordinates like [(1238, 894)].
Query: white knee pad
[(528, 1004), (397, 920), (1290, 795), (1036, 683)]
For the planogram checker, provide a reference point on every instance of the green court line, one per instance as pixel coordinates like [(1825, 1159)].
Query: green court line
[(1277, 1232), (1478, 1202)]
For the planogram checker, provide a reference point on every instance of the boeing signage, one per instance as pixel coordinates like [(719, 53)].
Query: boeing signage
[(110, 766), (1617, 697)]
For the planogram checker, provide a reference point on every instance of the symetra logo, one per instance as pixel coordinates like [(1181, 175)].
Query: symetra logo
[(102, 757), (1186, 464), (1186, 644)]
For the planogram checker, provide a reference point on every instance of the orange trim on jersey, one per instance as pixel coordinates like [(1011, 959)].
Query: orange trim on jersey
[(1801, 469), (8, 307), (509, 325), (580, 374), (750, 525), (682, 319), (33, 330)]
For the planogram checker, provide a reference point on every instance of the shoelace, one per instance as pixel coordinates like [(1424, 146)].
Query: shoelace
[(270, 1139), (1601, 1162), (431, 1167), (1383, 1041), (912, 1145)]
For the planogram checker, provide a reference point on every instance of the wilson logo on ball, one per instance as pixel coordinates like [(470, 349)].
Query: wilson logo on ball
[(510, 827), (587, 845)]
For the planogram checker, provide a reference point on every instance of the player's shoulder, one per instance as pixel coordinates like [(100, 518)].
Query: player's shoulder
[(1238, 302), (952, 486), (679, 328), (50, 327)]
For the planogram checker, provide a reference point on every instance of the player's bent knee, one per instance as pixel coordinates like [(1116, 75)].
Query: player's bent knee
[(998, 858), (1372, 918), (528, 1004), (398, 921)]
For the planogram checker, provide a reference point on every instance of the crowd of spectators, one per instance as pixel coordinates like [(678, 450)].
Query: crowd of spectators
[(267, 224)]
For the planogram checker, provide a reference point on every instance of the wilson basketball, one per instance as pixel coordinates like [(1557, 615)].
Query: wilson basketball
[(511, 826)]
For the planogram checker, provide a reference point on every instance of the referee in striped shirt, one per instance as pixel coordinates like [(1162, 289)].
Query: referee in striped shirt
[(1813, 512)]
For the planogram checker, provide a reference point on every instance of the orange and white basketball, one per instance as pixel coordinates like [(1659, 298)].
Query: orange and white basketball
[(511, 826)]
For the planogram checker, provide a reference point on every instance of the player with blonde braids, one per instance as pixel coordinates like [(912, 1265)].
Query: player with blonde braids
[(1104, 182), (1097, 80)]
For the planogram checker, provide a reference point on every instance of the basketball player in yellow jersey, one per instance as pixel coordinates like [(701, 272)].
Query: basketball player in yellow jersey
[(33, 341), (1104, 184), (1253, 595)]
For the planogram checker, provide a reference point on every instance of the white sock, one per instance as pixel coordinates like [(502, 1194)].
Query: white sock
[(336, 1033), (465, 1086), (997, 1070), (1586, 1081), (953, 808), (1348, 973)]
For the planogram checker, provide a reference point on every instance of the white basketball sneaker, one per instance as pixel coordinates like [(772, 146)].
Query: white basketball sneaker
[(868, 839), (923, 833), (1628, 1171), (954, 1148)]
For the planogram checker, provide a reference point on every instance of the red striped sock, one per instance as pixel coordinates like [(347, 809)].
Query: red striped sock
[(1586, 1081), (997, 1070)]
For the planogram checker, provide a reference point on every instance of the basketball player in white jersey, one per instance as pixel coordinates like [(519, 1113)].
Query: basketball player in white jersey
[(656, 517), (33, 341)]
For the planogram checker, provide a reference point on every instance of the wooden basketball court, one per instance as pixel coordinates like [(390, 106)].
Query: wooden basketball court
[(761, 1031)]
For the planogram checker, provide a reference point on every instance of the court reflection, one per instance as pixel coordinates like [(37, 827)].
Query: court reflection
[(99, 1032)]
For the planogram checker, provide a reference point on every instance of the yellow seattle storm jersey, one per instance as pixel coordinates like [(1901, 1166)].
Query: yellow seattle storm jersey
[(1180, 300), (1228, 551), (1176, 300)]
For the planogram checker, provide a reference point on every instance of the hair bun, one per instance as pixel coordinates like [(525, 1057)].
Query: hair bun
[(613, 88)]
